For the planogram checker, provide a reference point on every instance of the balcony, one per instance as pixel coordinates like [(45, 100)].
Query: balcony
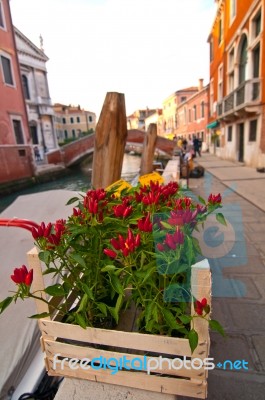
[(246, 94)]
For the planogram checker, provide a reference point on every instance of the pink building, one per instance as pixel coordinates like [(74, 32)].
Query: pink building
[(16, 154), (192, 115)]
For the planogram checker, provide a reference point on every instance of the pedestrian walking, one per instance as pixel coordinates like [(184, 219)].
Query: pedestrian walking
[(37, 153), (196, 146)]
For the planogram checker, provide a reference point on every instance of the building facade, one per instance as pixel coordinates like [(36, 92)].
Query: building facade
[(170, 106), (32, 61), (72, 122), (15, 145), (137, 119), (155, 118), (192, 117), (13, 115), (237, 81)]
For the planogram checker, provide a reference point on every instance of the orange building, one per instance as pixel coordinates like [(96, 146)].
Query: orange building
[(237, 81), (15, 152)]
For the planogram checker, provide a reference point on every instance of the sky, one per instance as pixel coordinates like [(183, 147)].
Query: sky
[(146, 49)]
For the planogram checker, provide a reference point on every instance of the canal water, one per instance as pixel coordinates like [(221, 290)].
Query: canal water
[(78, 180)]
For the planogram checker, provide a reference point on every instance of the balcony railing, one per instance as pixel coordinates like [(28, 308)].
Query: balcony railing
[(247, 93)]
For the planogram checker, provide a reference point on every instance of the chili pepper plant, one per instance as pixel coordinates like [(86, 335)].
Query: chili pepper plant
[(135, 247)]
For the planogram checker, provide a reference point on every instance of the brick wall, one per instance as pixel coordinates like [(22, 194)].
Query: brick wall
[(16, 163)]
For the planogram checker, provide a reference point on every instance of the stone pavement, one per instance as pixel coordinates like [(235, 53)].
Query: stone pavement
[(237, 258)]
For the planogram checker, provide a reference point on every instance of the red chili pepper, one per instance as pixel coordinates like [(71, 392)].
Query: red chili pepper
[(110, 253), (29, 278)]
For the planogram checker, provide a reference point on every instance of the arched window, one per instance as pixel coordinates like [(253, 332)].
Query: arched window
[(243, 60), (25, 87)]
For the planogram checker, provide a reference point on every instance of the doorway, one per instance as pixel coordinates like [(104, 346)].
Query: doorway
[(34, 134), (241, 142)]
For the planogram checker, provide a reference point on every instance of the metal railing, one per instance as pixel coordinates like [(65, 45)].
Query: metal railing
[(248, 92)]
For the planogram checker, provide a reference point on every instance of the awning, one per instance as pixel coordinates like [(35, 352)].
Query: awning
[(212, 125)]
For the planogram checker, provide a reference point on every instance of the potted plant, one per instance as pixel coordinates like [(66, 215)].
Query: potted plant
[(121, 246)]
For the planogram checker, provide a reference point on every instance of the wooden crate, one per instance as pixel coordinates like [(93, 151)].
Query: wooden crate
[(72, 341)]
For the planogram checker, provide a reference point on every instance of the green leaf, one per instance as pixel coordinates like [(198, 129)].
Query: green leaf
[(148, 311), (80, 320), (49, 271), (166, 225), (216, 326), (45, 256), (78, 258), (170, 319), (190, 252), (150, 272), (108, 268), (116, 284), (193, 339), (72, 200), (55, 290), (114, 313), (83, 303), (38, 316), (201, 200), (88, 291), (220, 218), (196, 245), (119, 303), (185, 318), (103, 308), (5, 303)]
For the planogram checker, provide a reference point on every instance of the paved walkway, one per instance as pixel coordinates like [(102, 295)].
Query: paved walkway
[(237, 259)]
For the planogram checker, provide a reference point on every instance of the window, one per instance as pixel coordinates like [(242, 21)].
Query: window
[(64, 121), (90, 119), (77, 119), (65, 134), (189, 115), (183, 98), (220, 33), (232, 10), (25, 87), (7, 71), (229, 133), (211, 97), (257, 24), (72, 120), (73, 133), (231, 76), (34, 134), (256, 61), (243, 60), (18, 131), (2, 18), (211, 50), (253, 130), (195, 112), (202, 109), (220, 83)]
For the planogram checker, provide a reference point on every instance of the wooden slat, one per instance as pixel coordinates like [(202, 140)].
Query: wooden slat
[(38, 282), (181, 387), (81, 352), (128, 340), (200, 288)]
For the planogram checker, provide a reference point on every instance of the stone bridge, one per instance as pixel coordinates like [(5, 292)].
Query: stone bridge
[(74, 152)]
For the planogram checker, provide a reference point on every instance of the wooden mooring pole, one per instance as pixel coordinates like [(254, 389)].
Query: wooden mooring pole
[(110, 141), (149, 150)]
